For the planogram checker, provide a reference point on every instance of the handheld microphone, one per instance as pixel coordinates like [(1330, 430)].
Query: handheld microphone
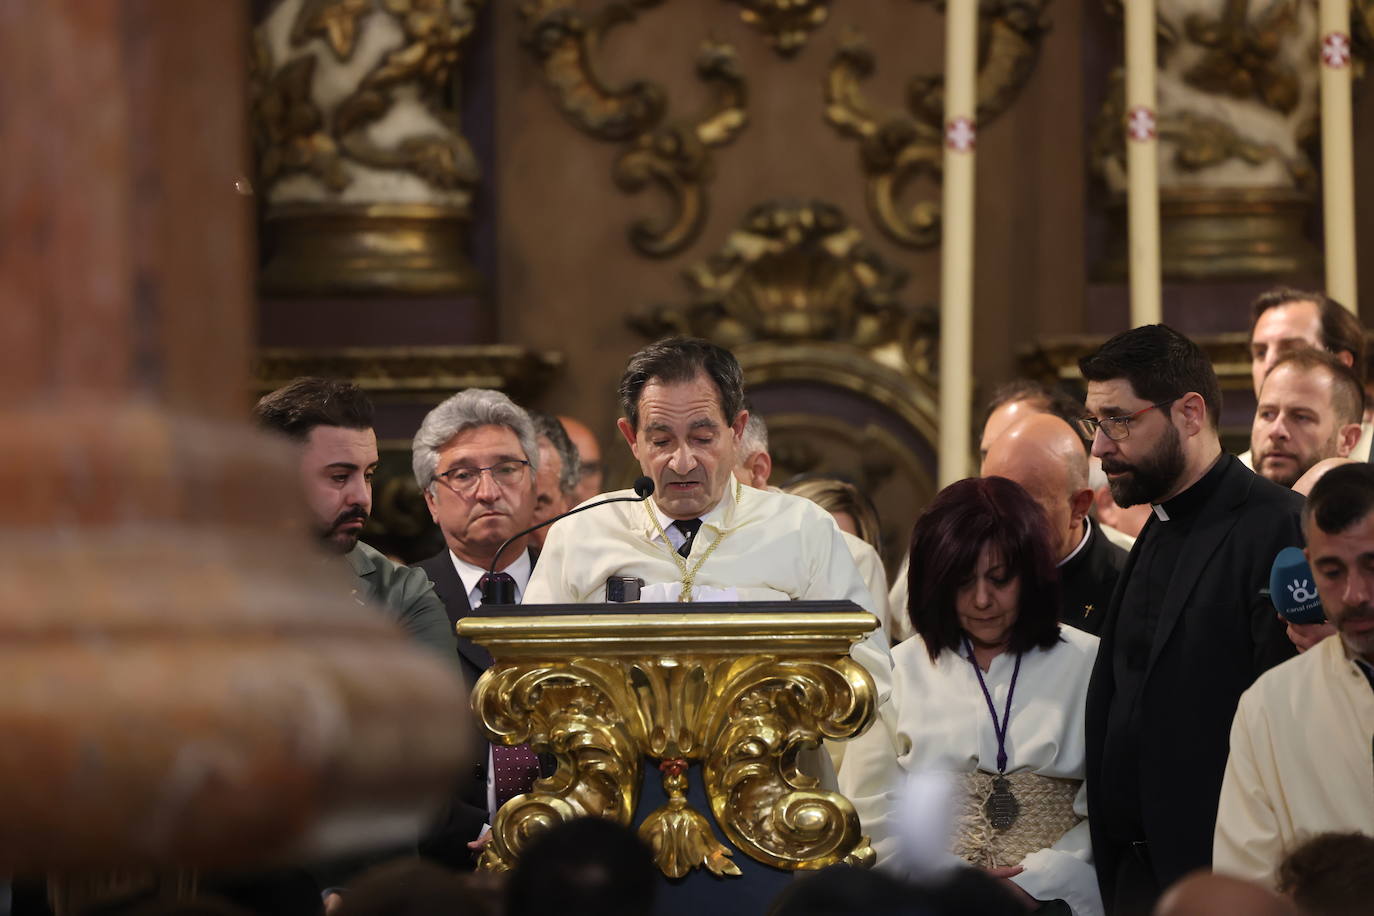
[(1291, 589), (503, 592)]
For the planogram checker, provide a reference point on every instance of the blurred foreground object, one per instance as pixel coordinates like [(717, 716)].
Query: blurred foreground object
[(187, 684)]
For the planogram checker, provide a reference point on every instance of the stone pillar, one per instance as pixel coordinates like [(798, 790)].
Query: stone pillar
[(187, 683)]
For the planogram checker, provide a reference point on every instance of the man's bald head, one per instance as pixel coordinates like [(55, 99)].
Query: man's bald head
[(1203, 894), (1045, 456)]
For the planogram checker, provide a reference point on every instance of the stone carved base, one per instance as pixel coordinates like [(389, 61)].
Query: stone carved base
[(1208, 234), (375, 249), (744, 693)]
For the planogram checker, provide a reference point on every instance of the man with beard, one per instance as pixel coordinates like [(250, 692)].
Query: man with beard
[(1300, 760), (331, 423), (1287, 320), (1189, 627), (1310, 408)]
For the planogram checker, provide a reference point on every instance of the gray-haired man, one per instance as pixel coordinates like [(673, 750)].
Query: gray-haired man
[(475, 458)]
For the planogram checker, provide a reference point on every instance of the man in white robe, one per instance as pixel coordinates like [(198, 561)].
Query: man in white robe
[(1301, 761), (702, 529)]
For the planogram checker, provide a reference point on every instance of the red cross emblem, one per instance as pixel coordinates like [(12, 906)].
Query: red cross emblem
[(960, 135), (1336, 50), (1140, 124)]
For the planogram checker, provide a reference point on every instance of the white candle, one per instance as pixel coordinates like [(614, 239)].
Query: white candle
[(1142, 163), (1338, 165), (956, 255)]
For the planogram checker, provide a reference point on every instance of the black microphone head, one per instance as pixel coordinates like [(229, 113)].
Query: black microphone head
[(644, 487)]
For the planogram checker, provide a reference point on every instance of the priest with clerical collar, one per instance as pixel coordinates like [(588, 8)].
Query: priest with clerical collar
[(1190, 625), (702, 536)]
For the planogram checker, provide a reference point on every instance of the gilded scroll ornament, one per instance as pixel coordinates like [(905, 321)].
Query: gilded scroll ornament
[(768, 712), (800, 271), (602, 692), (786, 24), (898, 149), (578, 713), (673, 155)]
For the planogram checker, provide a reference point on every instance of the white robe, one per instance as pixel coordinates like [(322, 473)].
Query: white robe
[(1300, 762), (772, 547), (938, 720)]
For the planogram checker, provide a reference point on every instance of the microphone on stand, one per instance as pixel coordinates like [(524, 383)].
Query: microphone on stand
[(502, 591)]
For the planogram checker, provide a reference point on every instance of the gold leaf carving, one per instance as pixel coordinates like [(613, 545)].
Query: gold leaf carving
[(679, 836), (679, 690), (896, 148), (288, 128), (579, 713), (800, 271), (672, 155), (767, 714), (786, 24), (1241, 59), (334, 20), (434, 37)]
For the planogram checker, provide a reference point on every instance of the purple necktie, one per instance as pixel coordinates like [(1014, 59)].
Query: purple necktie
[(516, 769)]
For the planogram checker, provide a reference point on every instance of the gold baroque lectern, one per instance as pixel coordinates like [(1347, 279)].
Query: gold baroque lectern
[(743, 689)]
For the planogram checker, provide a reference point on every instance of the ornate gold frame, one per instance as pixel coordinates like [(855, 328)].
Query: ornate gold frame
[(743, 693)]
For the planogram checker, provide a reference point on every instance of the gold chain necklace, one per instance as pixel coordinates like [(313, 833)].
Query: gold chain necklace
[(688, 575)]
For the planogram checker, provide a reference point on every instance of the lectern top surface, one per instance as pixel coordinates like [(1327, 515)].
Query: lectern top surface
[(670, 607)]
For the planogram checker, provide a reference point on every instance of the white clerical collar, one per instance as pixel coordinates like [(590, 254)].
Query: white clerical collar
[(1087, 530), (1160, 512), (712, 519), (471, 576)]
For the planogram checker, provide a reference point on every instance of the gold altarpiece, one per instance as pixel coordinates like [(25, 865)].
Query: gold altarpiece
[(742, 689)]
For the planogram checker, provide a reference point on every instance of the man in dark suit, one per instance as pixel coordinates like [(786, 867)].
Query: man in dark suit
[(1045, 456), (1190, 625), (475, 459)]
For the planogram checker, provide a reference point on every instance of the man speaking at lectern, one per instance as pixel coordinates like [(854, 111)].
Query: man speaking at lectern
[(702, 532)]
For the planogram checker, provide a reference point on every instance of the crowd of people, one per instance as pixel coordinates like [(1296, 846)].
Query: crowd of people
[(1087, 701)]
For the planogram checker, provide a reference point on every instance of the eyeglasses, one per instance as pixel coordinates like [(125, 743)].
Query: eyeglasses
[(503, 474), (1117, 428)]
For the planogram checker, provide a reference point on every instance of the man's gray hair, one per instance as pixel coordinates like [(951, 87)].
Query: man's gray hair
[(548, 427), (755, 437), (467, 409)]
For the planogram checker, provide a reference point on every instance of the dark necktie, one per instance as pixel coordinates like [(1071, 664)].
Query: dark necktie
[(689, 531), (497, 588)]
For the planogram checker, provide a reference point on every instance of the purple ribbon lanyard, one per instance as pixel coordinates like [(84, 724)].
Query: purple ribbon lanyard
[(999, 729)]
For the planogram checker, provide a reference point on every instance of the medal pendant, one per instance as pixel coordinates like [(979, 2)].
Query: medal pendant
[(1002, 808)]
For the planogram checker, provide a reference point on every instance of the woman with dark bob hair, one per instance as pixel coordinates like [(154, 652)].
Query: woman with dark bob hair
[(991, 691)]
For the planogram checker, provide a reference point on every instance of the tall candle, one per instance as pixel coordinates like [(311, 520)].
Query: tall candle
[(956, 256), (1142, 163), (1338, 166)]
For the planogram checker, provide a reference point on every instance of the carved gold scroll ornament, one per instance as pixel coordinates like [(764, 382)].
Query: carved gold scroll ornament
[(742, 693), (672, 155)]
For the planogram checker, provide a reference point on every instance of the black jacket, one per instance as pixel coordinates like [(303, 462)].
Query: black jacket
[(462, 819), (1217, 632), (1087, 581)]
